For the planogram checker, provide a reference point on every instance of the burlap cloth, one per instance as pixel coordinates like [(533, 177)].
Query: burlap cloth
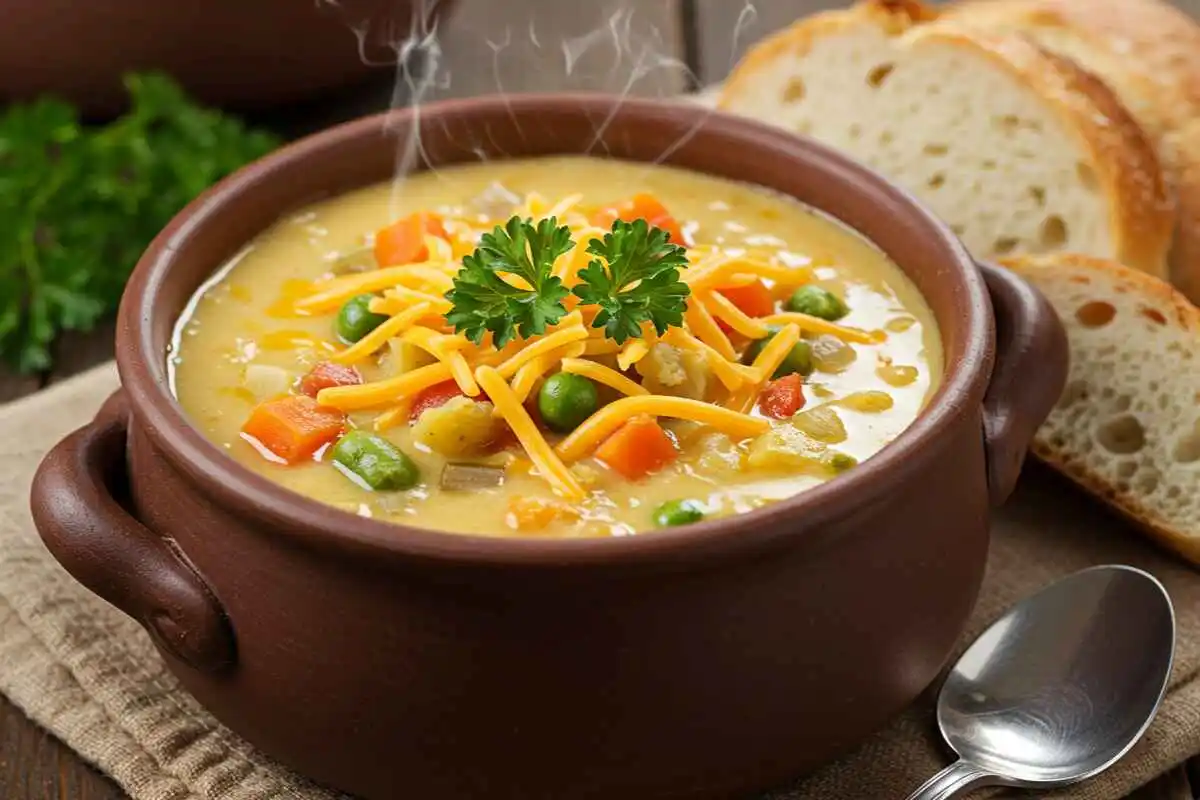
[(90, 676)]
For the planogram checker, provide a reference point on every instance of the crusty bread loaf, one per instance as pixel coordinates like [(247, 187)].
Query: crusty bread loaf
[(1127, 428), (1019, 150), (1148, 52)]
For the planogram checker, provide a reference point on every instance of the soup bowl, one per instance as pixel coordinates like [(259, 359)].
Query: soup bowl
[(708, 661)]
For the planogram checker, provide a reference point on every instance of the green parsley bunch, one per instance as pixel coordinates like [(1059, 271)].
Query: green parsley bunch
[(634, 279), (79, 204)]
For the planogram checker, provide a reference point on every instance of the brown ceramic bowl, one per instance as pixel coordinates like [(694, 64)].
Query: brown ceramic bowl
[(701, 662), (243, 55)]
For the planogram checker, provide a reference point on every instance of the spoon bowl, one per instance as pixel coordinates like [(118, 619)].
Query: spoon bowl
[(1061, 687)]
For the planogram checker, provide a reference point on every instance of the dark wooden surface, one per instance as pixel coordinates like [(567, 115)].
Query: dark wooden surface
[(643, 47)]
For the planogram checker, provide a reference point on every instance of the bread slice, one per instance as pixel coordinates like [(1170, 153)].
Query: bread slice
[(1148, 53), (1127, 428), (1019, 150)]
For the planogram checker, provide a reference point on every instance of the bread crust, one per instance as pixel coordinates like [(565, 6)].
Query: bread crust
[(1148, 52), (1181, 314), (1141, 211)]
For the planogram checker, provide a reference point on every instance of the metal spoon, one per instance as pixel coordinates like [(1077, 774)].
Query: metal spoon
[(1060, 688)]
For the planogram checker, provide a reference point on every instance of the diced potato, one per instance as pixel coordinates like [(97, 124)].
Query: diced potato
[(830, 354), (717, 455), (266, 381), (405, 357), (786, 448), (668, 370), (871, 402), (821, 423), (459, 427), (662, 366)]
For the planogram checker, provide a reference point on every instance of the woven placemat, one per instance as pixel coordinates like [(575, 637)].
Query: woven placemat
[(90, 676)]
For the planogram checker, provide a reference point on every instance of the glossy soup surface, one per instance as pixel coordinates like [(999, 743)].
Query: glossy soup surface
[(241, 343)]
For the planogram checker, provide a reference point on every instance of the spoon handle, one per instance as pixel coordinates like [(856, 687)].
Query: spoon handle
[(952, 781)]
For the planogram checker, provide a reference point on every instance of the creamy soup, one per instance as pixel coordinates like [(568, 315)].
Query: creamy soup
[(555, 347)]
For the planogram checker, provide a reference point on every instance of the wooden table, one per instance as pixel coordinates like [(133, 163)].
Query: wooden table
[(659, 47)]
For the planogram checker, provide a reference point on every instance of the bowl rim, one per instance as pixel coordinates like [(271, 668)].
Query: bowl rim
[(297, 517)]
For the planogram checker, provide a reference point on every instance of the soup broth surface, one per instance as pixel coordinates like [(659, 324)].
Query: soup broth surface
[(241, 343)]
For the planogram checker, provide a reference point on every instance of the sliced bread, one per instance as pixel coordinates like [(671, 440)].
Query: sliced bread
[(1146, 51), (1019, 150), (1127, 428)]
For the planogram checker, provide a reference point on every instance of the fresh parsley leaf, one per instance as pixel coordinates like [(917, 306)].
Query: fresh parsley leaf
[(79, 203), (483, 301), (634, 280)]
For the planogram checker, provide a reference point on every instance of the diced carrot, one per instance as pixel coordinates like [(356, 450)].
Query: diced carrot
[(641, 206), (293, 428), (782, 398), (753, 299), (637, 448), (403, 242), (535, 513), (326, 375)]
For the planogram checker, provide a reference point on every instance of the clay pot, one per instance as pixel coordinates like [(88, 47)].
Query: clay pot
[(242, 55), (700, 662)]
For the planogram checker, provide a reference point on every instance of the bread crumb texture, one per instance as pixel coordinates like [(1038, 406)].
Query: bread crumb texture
[(1127, 426), (1017, 150)]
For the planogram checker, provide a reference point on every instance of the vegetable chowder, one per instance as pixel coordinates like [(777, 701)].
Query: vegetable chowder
[(555, 347)]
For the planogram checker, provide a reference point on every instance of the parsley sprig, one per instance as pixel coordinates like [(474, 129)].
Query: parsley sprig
[(80, 202), (634, 279), (483, 301)]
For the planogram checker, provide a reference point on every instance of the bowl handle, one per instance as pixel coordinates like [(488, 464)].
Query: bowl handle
[(1028, 376), (76, 511)]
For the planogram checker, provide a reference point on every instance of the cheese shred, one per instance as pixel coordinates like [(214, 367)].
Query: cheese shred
[(602, 374), (596, 428), (536, 447)]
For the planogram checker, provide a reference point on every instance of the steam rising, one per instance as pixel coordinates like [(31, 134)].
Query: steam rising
[(620, 49)]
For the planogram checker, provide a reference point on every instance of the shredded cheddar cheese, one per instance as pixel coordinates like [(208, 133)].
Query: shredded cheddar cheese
[(529, 374), (723, 308), (378, 337), (600, 347), (775, 352), (602, 374), (730, 373), (535, 445), (446, 350), (532, 371), (330, 294), (632, 353), (385, 392), (600, 425), (817, 325), (719, 271), (768, 360), (542, 346), (706, 329)]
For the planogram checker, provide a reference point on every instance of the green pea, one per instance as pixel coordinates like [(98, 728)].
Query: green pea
[(565, 400), (376, 462), (798, 359), (678, 512), (840, 462), (356, 320), (817, 302)]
